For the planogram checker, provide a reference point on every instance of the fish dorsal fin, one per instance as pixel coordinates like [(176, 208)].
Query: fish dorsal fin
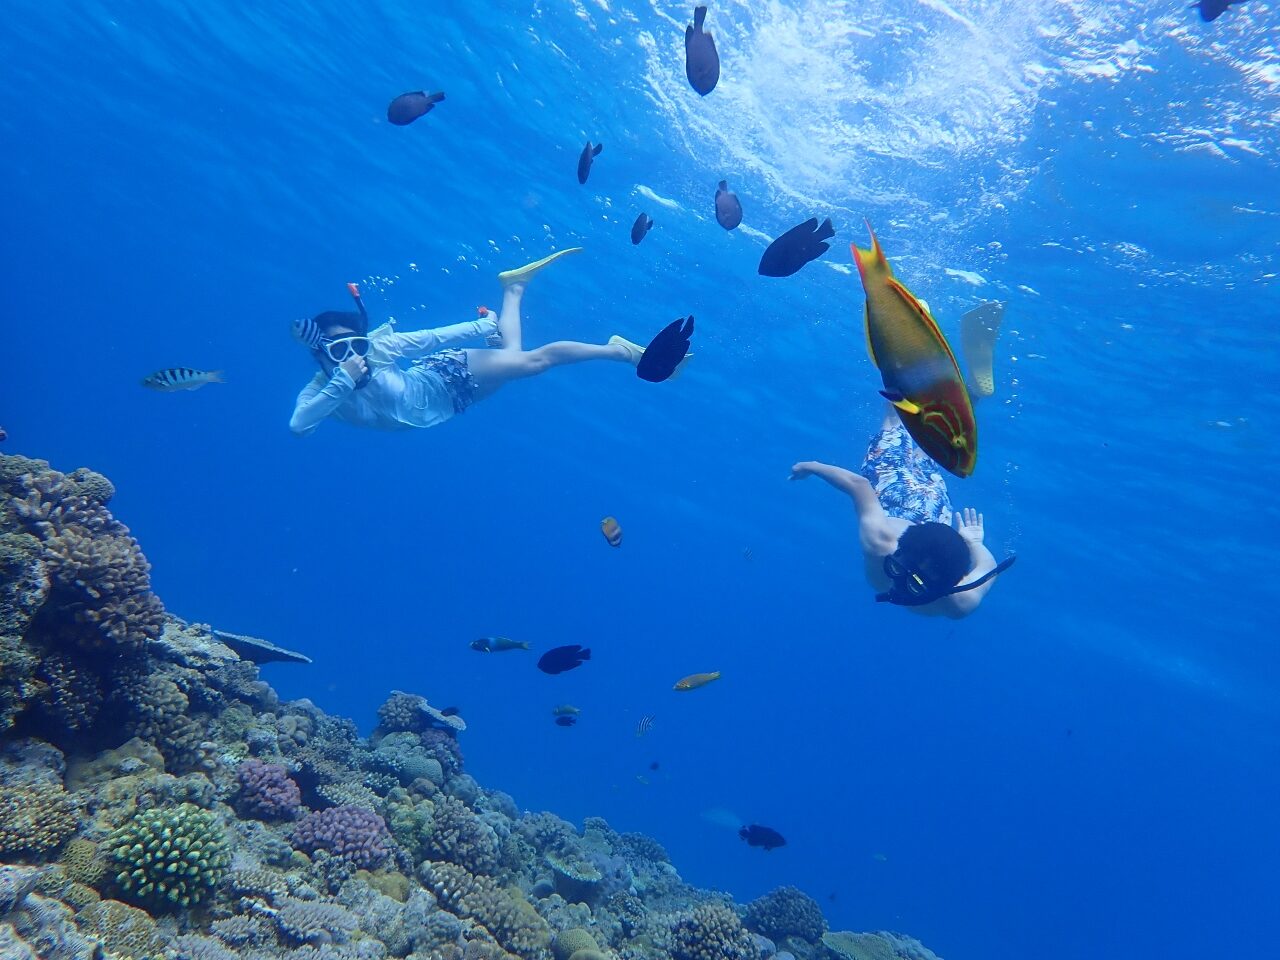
[(598, 147)]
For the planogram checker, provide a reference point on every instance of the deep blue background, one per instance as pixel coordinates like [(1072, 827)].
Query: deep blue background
[(1085, 768)]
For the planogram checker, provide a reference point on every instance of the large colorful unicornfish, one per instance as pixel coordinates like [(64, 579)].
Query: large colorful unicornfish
[(920, 373)]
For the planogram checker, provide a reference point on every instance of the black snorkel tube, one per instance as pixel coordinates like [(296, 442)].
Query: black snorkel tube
[(904, 598)]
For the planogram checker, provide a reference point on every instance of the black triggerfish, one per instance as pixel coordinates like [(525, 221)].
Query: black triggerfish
[(666, 351), (1211, 10), (701, 62), (560, 659), (728, 207), (641, 228), (408, 107), (758, 836), (588, 154)]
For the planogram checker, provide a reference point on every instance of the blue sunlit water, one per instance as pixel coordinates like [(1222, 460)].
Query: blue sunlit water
[(1087, 767)]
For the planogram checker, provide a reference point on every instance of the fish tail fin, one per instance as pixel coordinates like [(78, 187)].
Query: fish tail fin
[(435, 97), (524, 645), (596, 151), (826, 231), (876, 250), (217, 376), (699, 17)]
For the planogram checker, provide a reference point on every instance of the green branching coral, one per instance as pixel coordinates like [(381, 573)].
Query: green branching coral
[(169, 857)]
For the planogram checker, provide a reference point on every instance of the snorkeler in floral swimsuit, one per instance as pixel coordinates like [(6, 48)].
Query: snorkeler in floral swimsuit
[(360, 381), (912, 552)]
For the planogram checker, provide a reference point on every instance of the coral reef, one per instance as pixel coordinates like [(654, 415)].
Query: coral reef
[(160, 801), (786, 912), (350, 833), (266, 792), (168, 857)]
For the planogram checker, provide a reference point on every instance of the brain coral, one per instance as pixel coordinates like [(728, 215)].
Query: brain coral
[(35, 820), (124, 930), (568, 942), (168, 857), (786, 912), (508, 917), (266, 791), (712, 931), (352, 833), (844, 945)]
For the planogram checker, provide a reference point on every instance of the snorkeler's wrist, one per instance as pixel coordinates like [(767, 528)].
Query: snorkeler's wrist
[(341, 377)]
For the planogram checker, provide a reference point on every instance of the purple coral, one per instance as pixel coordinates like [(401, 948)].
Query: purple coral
[(355, 834), (266, 791)]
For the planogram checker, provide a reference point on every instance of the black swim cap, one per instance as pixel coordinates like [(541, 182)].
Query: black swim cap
[(936, 553), (341, 318)]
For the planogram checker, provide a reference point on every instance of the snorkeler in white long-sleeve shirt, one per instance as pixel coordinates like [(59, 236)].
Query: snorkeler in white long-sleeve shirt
[(361, 383)]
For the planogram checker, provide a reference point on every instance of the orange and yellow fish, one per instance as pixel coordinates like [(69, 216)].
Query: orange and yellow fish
[(696, 680), (921, 376), (612, 531)]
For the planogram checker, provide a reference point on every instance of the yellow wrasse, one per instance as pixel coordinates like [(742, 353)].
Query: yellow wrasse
[(696, 680), (921, 376)]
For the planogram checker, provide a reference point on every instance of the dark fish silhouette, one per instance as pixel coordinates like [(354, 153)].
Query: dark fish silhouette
[(758, 836), (728, 207), (796, 247), (588, 154), (701, 62), (566, 721), (643, 224), (653, 765), (497, 644), (1211, 10), (450, 712), (560, 659), (666, 351), (408, 107)]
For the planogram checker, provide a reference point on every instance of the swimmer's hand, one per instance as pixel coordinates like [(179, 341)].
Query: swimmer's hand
[(969, 525), (355, 367), (803, 469)]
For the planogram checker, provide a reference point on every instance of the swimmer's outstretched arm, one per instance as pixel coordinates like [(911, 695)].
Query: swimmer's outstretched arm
[(421, 343), (873, 523), (318, 399)]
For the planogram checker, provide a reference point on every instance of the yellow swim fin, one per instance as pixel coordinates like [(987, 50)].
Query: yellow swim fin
[(525, 273), (978, 330)]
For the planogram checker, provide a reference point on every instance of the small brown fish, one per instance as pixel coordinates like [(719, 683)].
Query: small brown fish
[(696, 680), (181, 378), (612, 531), (408, 107)]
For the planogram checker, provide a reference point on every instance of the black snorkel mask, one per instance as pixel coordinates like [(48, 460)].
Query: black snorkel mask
[(910, 589)]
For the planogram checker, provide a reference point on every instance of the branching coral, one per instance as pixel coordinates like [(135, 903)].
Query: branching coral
[(169, 857), (460, 837), (505, 914), (266, 792), (314, 923), (351, 833), (35, 820), (786, 912), (712, 931)]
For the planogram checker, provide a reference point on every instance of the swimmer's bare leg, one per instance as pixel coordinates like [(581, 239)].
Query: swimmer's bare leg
[(509, 317), (494, 368)]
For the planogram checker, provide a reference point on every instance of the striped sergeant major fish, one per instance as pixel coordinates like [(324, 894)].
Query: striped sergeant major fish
[(181, 378), (645, 725)]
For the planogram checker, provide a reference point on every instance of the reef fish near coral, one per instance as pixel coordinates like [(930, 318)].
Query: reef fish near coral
[(758, 836), (920, 374), (701, 59), (696, 680), (562, 659), (181, 378)]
